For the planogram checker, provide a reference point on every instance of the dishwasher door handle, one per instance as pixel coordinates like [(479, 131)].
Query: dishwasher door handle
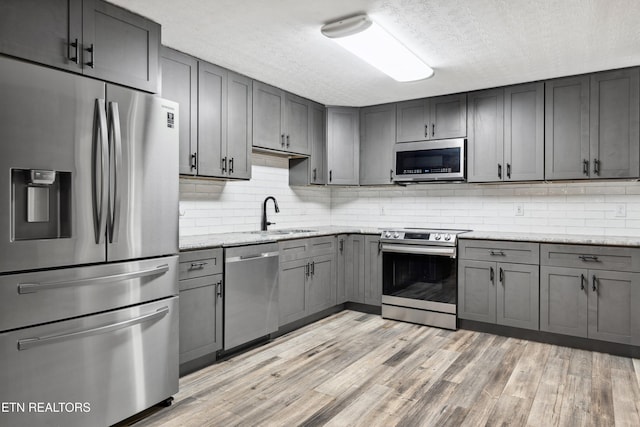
[(250, 257)]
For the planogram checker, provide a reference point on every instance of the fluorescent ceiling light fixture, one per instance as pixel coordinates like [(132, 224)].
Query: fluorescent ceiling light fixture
[(370, 42)]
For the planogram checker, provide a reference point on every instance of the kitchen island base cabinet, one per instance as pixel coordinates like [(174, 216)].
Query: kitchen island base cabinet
[(308, 277)]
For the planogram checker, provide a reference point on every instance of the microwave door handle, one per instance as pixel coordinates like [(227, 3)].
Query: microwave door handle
[(114, 116), (100, 181)]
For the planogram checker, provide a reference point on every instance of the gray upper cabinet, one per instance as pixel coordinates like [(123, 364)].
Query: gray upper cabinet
[(281, 121), (215, 119), (524, 132), (377, 137), (506, 134), (485, 144), (180, 84), (343, 143), (432, 118), (591, 126), (567, 128), (614, 125), (312, 169), (91, 37)]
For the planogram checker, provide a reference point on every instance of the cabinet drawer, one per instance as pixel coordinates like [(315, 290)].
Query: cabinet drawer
[(200, 263), (323, 245), (199, 282), (500, 251), (291, 250), (592, 257)]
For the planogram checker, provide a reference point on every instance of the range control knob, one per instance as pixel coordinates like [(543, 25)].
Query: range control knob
[(387, 234), (396, 235), (438, 236), (447, 237)]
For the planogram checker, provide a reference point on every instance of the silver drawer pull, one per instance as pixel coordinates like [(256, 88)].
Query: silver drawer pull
[(197, 265), (28, 288), (28, 343), (496, 253), (589, 258)]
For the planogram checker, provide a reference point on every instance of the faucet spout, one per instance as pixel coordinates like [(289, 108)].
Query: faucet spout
[(265, 222)]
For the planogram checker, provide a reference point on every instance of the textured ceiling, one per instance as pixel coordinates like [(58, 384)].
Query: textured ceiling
[(472, 44)]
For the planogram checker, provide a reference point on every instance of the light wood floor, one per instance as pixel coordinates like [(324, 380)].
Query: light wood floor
[(361, 370)]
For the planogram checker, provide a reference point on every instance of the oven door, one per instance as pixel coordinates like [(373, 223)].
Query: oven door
[(430, 161), (420, 277)]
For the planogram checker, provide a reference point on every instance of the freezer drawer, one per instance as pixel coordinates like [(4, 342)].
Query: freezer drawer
[(108, 366), (32, 298)]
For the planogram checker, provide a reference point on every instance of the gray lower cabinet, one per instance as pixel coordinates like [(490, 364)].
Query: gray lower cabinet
[(215, 116), (363, 272), (341, 269), (504, 293), (592, 301), (377, 138), (307, 277), (506, 134), (343, 146), (201, 285), (591, 126), (91, 37), (372, 270)]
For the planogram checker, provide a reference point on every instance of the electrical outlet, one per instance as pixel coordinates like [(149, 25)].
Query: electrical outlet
[(519, 209), (381, 210), (621, 211)]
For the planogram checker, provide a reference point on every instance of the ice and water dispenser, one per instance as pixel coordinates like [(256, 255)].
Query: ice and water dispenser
[(41, 204)]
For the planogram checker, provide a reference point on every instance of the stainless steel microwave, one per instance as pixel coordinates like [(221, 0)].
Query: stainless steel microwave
[(441, 160)]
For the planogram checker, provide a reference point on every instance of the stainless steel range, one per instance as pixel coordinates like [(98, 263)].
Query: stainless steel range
[(419, 273)]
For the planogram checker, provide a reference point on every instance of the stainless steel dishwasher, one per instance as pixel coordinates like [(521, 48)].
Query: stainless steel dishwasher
[(251, 293)]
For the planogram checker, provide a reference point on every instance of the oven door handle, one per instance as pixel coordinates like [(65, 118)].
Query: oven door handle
[(420, 250)]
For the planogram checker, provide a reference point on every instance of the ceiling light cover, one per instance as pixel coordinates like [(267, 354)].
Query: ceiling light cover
[(370, 42)]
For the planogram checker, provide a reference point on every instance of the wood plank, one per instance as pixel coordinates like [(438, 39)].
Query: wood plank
[(626, 397), (527, 373)]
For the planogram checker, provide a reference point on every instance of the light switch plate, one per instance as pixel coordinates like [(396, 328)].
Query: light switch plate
[(519, 209), (621, 211)]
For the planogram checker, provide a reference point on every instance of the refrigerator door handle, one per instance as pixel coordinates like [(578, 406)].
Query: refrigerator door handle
[(25, 344), (101, 183), (114, 126), (29, 288)]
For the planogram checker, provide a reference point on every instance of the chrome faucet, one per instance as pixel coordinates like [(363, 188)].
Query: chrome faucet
[(266, 223)]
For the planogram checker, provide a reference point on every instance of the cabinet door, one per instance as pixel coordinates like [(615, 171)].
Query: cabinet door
[(485, 144), (268, 114), (239, 126), (373, 271), (615, 121), (343, 145), (322, 285), (341, 269), (200, 317), (518, 295), (180, 84), (43, 31), (477, 290), (292, 290), (563, 300), (567, 128), (448, 116), (377, 137), (524, 132), (614, 298), (354, 269), (212, 89), (297, 124), (120, 46), (411, 119), (318, 145)]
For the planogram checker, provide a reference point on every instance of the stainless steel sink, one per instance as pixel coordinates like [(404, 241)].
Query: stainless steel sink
[(283, 232)]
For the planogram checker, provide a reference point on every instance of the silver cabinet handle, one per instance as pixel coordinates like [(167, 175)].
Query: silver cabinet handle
[(330, 175), (29, 288), (313, 268), (390, 175), (589, 258), (585, 167), (315, 174), (28, 343), (595, 288), (194, 160), (252, 256), (433, 129), (282, 140), (92, 51), (114, 120), (287, 141), (596, 167), (426, 131), (197, 265), (496, 253), (306, 270), (492, 275), (341, 245), (223, 164), (509, 170), (499, 171), (219, 289), (502, 276), (100, 179), (231, 165), (582, 280)]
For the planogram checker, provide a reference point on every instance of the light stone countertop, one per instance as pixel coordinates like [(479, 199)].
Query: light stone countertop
[(210, 241), (576, 239)]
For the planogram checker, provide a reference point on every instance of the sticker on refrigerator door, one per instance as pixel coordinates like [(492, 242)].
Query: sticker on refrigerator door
[(170, 120)]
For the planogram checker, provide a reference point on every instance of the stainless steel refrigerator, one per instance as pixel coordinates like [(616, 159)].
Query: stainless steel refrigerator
[(88, 244)]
